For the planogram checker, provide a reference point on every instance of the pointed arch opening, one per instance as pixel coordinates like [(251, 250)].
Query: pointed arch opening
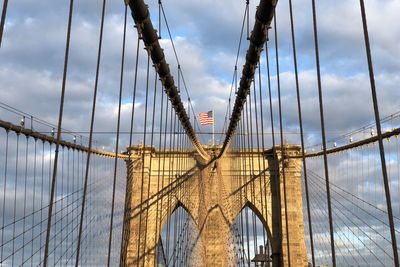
[(251, 237), (179, 243)]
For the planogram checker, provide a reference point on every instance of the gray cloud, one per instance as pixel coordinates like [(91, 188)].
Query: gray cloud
[(206, 35)]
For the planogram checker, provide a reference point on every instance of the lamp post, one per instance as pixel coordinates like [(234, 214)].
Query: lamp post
[(261, 257)]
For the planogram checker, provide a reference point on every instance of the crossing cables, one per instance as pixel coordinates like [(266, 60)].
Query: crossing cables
[(141, 16), (264, 14)]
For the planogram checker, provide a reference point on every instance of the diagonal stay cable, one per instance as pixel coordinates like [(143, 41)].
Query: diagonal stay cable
[(354, 197), (341, 211)]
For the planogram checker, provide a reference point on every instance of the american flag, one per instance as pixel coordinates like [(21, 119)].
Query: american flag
[(206, 118)]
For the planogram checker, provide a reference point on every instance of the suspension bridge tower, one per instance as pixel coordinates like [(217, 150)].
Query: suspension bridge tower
[(214, 194)]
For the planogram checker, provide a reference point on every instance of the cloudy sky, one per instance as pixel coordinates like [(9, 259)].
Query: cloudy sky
[(206, 35)]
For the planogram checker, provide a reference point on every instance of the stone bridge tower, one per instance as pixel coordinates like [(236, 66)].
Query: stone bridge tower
[(213, 194)]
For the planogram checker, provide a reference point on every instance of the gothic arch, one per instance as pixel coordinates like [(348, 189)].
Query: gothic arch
[(256, 211)]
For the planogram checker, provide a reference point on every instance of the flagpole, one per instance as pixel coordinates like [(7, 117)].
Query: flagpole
[(213, 127)]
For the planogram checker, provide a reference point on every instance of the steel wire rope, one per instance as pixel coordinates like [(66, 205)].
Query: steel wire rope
[(25, 193), (4, 193), (242, 174), (53, 238), (41, 195), (361, 220), (301, 129), (134, 93), (317, 187), (321, 209), (246, 127), (143, 152), (170, 167), (379, 133), (358, 206), (127, 211), (234, 78), (158, 206), (177, 210), (258, 150), (323, 135), (15, 198), (33, 196), (177, 242), (172, 178), (3, 20), (177, 60), (263, 161), (164, 157), (31, 214), (252, 188), (117, 139), (359, 130), (163, 172), (151, 156), (60, 117), (282, 147), (276, 164), (68, 200), (91, 130)]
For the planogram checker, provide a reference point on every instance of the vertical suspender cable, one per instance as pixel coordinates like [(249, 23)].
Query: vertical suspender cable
[(33, 198), (270, 96), (117, 141), (159, 217), (134, 92), (248, 18), (4, 195), (3, 20), (127, 205), (60, 116), (169, 182), (266, 247), (276, 165), (281, 137), (163, 168), (246, 127), (25, 191), (252, 175), (261, 176), (174, 175), (258, 155), (243, 182), (90, 135), (379, 134), (151, 156), (41, 198), (143, 159), (241, 166), (301, 130), (15, 198), (321, 110), (159, 19)]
